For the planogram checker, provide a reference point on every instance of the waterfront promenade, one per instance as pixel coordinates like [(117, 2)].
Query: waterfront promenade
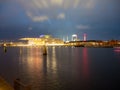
[(4, 85)]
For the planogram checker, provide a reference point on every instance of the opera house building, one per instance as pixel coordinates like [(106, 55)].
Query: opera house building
[(43, 40)]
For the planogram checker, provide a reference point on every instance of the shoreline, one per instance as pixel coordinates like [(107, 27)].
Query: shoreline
[(92, 46), (4, 85)]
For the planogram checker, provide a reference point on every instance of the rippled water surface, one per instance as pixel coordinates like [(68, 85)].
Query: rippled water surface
[(63, 68)]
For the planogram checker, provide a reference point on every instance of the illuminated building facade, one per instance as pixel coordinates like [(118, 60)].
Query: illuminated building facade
[(44, 40), (74, 37)]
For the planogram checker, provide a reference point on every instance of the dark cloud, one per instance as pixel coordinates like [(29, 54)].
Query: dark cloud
[(101, 16)]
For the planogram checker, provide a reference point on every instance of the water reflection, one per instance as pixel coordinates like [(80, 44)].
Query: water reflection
[(117, 49), (85, 63), (32, 58), (45, 65), (34, 67), (51, 60), (117, 52), (30, 63), (63, 68)]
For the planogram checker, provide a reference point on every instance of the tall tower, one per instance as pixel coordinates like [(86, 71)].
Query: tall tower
[(63, 39), (67, 38), (85, 36)]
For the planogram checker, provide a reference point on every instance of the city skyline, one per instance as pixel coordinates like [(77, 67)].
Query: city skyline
[(99, 19)]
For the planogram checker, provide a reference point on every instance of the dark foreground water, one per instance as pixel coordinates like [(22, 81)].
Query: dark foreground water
[(64, 68)]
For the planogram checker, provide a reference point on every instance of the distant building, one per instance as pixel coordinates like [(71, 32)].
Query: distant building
[(44, 39), (74, 37)]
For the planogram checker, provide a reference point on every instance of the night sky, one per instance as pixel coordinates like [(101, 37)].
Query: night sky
[(99, 19)]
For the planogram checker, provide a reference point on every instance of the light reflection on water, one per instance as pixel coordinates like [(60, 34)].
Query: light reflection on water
[(85, 63), (37, 68), (117, 52), (63, 68)]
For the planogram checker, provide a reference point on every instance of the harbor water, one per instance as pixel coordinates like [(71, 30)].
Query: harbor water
[(63, 68)]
